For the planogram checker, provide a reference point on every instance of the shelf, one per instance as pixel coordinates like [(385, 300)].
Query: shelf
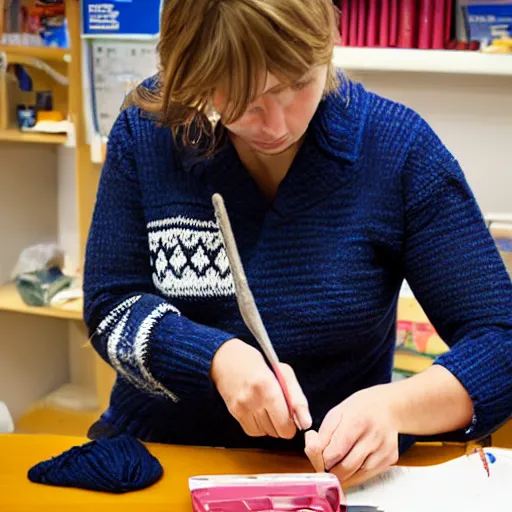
[(14, 135), (498, 217), (46, 420), (69, 410), (10, 300), (426, 61), (38, 52)]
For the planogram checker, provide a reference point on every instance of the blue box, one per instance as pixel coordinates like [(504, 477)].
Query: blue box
[(121, 18), (488, 22)]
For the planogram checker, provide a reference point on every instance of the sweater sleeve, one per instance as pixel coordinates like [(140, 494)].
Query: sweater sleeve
[(457, 275), (142, 335)]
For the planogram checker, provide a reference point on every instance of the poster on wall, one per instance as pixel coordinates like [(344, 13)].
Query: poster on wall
[(119, 42), (118, 67)]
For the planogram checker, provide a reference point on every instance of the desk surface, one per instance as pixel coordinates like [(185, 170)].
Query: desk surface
[(18, 453)]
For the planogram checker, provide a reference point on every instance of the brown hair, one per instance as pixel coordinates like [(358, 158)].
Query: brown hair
[(229, 45)]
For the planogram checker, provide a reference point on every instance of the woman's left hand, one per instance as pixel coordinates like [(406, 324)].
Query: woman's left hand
[(358, 439)]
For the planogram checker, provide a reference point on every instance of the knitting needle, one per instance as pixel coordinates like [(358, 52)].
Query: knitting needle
[(246, 302)]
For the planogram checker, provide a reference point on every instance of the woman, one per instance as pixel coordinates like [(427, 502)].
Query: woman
[(335, 196)]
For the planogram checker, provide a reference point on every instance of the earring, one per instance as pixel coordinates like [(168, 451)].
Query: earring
[(195, 142), (213, 116)]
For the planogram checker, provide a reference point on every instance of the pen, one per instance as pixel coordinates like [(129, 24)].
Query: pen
[(246, 302)]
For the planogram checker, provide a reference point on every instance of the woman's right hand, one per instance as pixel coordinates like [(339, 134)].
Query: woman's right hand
[(252, 393)]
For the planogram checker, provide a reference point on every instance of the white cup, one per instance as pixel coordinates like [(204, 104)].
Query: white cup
[(6, 424)]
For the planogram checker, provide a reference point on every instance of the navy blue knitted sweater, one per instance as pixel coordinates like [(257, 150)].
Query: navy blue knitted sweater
[(372, 198)]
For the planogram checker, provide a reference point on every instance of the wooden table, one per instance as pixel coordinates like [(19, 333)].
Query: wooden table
[(18, 453)]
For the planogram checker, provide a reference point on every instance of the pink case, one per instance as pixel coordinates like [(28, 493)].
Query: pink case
[(314, 492), (407, 24), (361, 19), (384, 39), (353, 21), (345, 16), (373, 19), (425, 25), (448, 24), (393, 23), (438, 40)]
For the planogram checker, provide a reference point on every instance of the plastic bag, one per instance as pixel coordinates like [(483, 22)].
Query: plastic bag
[(38, 257)]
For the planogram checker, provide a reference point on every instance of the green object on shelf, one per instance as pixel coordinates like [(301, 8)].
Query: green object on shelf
[(38, 288)]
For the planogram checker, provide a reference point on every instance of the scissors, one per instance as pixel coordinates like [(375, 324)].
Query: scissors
[(246, 302)]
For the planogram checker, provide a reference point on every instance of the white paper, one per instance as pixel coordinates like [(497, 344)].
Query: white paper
[(458, 485), (117, 67)]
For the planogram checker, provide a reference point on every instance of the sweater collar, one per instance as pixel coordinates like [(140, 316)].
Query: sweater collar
[(339, 121), (325, 162)]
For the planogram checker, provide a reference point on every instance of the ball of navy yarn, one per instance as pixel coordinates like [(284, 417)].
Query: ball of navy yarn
[(117, 465)]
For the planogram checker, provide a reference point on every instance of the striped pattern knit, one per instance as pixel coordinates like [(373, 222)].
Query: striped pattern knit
[(372, 198)]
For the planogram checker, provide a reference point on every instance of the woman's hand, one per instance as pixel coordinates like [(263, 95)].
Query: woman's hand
[(253, 395), (358, 439)]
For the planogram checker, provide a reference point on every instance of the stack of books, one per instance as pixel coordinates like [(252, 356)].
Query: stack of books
[(417, 342), (423, 24)]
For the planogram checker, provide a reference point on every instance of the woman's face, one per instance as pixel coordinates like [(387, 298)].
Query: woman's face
[(280, 116)]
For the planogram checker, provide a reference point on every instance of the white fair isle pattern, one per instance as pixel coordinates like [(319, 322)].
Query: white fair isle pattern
[(114, 339), (116, 313), (182, 221), (189, 258), (128, 354), (141, 348)]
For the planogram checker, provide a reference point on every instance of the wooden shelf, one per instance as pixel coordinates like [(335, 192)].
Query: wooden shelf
[(426, 61), (10, 300), (38, 52), (46, 420), (69, 410), (14, 135)]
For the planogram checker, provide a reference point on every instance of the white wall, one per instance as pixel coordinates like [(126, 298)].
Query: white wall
[(28, 200), (67, 220), (473, 116), (33, 359), (81, 355), (33, 351)]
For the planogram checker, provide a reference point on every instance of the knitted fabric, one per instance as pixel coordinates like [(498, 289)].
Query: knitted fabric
[(117, 465), (373, 197)]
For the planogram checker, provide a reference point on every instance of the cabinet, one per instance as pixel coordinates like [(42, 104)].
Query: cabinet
[(50, 377)]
